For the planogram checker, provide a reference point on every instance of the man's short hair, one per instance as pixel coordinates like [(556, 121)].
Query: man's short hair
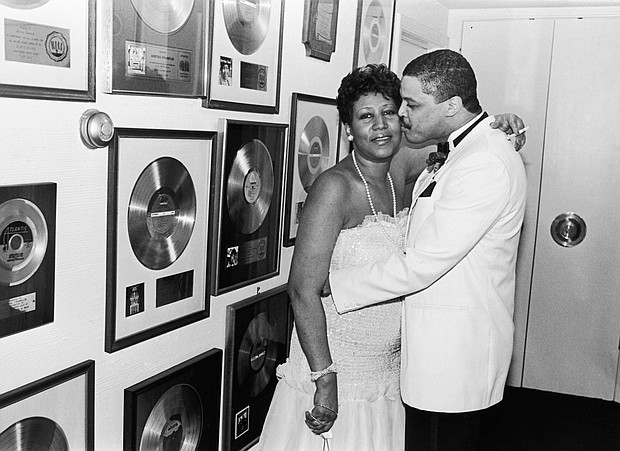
[(444, 74)]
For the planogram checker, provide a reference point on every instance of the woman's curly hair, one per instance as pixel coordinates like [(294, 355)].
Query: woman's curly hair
[(369, 79)]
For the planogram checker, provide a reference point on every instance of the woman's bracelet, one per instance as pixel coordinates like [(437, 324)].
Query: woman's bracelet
[(315, 375), (327, 408)]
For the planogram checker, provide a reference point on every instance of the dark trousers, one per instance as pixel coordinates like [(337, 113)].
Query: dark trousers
[(437, 431)]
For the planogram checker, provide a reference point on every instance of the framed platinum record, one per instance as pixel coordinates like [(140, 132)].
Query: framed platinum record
[(158, 208), (27, 256), (248, 197), (178, 409), (258, 331), (158, 47)]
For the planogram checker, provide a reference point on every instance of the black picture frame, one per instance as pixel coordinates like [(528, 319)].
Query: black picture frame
[(314, 146), (159, 204), (60, 407), (248, 200), (175, 405), (251, 362), (27, 256)]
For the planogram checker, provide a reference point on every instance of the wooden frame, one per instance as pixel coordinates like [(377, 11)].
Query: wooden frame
[(245, 56), (313, 147), (59, 408), (159, 192), (258, 331), (247, 199), (319, 28), (180, 406), (373, 32), (48, 54)]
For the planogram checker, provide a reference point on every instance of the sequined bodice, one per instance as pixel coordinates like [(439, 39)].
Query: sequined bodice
[(364, 343)]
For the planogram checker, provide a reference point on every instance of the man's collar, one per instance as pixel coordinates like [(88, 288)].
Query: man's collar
[(457, 136)]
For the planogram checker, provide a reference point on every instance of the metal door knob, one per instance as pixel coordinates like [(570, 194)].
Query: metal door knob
[(568, 229)]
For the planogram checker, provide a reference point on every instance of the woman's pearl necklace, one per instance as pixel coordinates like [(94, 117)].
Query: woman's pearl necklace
[(400, 245)]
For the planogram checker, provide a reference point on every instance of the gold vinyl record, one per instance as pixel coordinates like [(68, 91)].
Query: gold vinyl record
[(313, 152), (164, 16), (161, 213), (374, 33), (258, 351), (247, 23), (23, 240), (175, 422), (34, 434), (23, 4), (250, 186)]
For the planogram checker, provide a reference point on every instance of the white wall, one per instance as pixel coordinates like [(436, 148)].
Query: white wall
[(40, 143)]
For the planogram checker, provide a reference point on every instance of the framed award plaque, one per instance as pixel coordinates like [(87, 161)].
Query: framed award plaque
[(313, 148), (158, 208), (245, 55), (373, 33), (178, 409), (27, 256), (158, 47), (53, 413), (246, 220), (258, 333), (320, 25), (46, 52)]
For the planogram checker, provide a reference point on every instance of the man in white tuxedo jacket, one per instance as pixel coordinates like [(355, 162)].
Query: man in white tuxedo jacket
[(458, 273)]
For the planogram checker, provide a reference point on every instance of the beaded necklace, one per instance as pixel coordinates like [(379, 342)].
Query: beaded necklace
[(400, 245)]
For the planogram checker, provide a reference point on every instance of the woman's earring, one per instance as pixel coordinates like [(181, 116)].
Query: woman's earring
[(350, 137)]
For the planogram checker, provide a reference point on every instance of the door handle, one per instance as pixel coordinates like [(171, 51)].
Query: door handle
[(568, 229)]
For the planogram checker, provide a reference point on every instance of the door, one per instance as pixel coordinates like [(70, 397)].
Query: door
[(574, 319), (512, 60)]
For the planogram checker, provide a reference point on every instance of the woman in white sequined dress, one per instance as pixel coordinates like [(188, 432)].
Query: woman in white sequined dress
[(353, 214), (339, 389)]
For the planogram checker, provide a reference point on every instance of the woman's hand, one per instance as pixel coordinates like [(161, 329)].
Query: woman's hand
[(511, 124), (325, 411)]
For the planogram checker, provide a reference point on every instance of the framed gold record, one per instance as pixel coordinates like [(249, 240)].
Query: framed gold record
[(245, 55), (158, 47), (47, 53), (313, 147), (27, 256), (258, 333), (159, 191), (178, 409), (373, 32), (247, 198), (55, 413)]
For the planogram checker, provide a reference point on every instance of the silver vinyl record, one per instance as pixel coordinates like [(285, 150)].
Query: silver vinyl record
[(256, 360), (374, 33), (161, 213), (23, 4), (23, 240), (313, 152), (175, 422), (164, 16), (247, 23), (250, 186), (34, 434)]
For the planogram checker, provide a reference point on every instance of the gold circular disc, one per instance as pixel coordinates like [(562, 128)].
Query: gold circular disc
[(258, 351), (23, 4), (164, 16), (34, 434), (374, 33), (313, 152), (247, 23)]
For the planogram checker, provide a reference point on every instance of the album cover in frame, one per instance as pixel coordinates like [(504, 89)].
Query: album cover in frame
[(159, 201), (313, 148), (248, 200), (258, 331), (245, 55), (176, 409), (27, 256), (157, 48), (319, 29), (53, 413), (373, 32), (47, 53)]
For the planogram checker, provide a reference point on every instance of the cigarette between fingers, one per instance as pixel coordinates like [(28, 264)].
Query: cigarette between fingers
[(520, 132)]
